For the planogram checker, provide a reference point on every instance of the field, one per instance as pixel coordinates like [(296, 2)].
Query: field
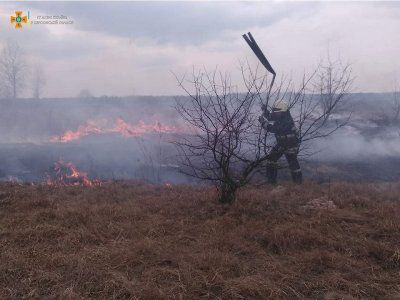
[(136, 241)]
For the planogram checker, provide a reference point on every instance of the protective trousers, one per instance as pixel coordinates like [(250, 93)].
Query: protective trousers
[(291, 157)]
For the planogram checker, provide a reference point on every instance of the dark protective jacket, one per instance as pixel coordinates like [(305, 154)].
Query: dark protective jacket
[(282, 125)]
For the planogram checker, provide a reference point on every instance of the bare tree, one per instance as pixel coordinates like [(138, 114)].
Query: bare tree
[(226, 144), (38, 81), (320, 104), (85, 93), (12, 69)]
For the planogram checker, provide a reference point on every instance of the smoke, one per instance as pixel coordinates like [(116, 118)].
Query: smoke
[(127, 138), (357, 147), (29, 152)]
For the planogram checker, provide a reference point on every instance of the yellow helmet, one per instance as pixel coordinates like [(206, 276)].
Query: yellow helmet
[(280, 105)]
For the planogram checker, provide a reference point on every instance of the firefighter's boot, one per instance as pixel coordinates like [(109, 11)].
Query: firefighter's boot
[(297, 176)]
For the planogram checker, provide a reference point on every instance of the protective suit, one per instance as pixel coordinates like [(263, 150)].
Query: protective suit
[(281, 123)]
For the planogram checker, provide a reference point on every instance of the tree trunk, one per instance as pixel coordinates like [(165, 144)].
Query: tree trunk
[(14, 89), (227, 193)]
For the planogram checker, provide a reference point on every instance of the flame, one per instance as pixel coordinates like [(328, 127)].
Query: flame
[(119, 127), (83, 130), (67, 174)]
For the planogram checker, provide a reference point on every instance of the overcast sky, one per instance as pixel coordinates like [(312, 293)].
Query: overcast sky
[(125, 48)]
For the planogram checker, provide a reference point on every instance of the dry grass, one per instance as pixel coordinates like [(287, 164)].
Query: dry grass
[(136, 241)]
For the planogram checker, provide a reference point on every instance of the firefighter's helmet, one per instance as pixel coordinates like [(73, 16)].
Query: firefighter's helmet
[(280, 105)]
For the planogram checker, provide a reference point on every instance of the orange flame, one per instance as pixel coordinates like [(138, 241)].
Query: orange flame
[(67, 174), (119, 126)]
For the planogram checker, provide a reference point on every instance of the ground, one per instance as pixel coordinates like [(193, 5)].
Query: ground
[(130, 241)]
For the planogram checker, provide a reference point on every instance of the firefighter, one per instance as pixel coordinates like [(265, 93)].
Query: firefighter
[(281, 123)]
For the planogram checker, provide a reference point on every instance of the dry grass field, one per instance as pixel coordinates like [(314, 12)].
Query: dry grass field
[(135, 241)]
